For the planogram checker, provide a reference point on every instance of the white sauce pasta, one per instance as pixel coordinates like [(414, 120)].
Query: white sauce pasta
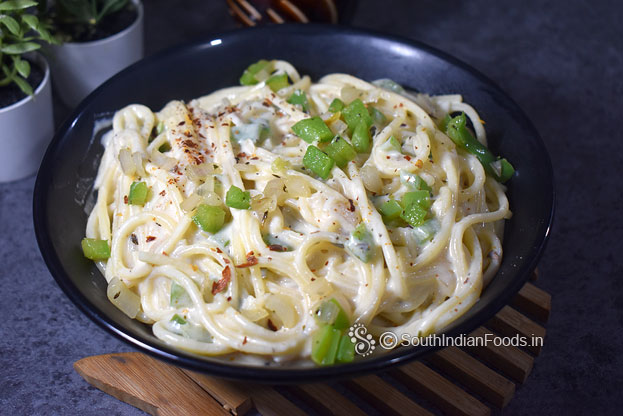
[(254, 285)]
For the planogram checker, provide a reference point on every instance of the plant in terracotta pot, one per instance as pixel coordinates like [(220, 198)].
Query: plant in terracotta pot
[(26, 118), (101, 37)]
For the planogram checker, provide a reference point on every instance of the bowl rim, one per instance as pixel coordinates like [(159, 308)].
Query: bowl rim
[(272, 374)]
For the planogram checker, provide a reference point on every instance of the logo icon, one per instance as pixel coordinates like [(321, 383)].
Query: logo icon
[(364, 344)]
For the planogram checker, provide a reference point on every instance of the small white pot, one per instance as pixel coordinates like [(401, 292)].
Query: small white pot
[(26, 128), (80, 67)]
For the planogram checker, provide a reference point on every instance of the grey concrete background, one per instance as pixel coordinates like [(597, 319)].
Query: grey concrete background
[(561, 61)]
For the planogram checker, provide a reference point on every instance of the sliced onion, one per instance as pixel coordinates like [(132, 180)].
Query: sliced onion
[(137, 158), (327, 312), (162, 161), (207, 186), (371, 179), (191, 202), (123, 298), (199, 172), (338, 127), (242, 167), (274, 187), (263, 204), (212, 198), (297, 187), (283, 309), (127, 164), (252, 310)]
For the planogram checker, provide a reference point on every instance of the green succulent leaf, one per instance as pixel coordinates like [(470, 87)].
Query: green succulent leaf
[(31, 21), (22, 66), (19, 48), (10, 24), (16, 4), (23, 85)]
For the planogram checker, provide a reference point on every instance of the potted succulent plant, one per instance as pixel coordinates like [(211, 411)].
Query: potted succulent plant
[(100, 38), (26, 120)]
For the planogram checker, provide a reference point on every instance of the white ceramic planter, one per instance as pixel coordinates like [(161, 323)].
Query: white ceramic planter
[(79, 68), (26, 128)]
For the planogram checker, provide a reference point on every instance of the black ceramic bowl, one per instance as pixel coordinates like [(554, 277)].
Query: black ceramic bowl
[(71, 161)]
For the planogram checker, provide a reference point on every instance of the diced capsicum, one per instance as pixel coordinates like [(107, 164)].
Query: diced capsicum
[(312, 129), (361, 243), (138, 193), (457, 130), (248, 77), (336, 105), (341, 151), (361, 137), (318, 162), (330, 312), (325, 343), (345, 350), (237, 198), (391, 210), (277, 82), (299, 97), (355, 112), (95, 249), (209, 218)]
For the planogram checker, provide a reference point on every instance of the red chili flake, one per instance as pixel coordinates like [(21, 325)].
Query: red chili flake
[(251, 261), (466, 280), (326, 263), (228, 298), (352, 205), (271, 326), (386, 157), (181, 123), (255, 158), (134, 239), (241, 155), (162, 193), (401, 105), (226, 261), (244, 341), (277, 247), (313, 279), (218, 250), (150, 238), (408, 157), (220, 285)]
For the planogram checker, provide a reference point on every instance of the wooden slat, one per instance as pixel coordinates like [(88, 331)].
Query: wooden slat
[(269, 402), (151, 385), (326, 400), (384, 396), (511, 361), (441, 392), (509, 322), (228, 393), (474, 375), (533, 301)]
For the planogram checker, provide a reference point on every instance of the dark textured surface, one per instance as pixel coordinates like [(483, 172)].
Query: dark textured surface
[(561, 63)]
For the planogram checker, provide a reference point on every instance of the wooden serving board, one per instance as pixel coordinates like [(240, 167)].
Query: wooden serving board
[(457, 381)]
